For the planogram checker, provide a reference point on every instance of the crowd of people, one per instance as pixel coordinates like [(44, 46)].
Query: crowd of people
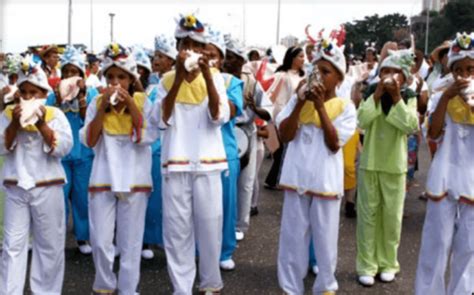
[(164, 148)]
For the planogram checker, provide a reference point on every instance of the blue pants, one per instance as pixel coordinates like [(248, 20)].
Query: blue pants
[(154, 214), (76, 191), (229, 188), (312, 256)]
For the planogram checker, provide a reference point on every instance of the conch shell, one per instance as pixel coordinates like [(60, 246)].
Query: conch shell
[(10, 96), (68, 88), (468, 93), (191, 62), (30, 111)]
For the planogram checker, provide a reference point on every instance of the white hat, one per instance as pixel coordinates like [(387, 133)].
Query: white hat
[(216, 38), (330, 52), (461, 47), (403, 60), (190, 26), (234, 46), (117, 55), (166, 45), (141, 58), (33, 73), (72, 56)]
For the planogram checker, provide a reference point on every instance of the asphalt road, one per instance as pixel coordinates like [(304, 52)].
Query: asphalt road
[(256, 256)]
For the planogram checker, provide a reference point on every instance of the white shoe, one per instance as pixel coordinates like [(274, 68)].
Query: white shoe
[(228, 264), (147, 254), (387, 277), (315, 269), (239, 236), (367, 281), (85, 249)]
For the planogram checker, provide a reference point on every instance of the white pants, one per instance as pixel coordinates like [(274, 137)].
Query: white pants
[(304, 217), (128, 212), (42, 210), (448, 231), (260, 157), (246, 185), (192, 214)]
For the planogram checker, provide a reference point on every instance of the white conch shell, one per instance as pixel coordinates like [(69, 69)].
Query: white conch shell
[(390, 80), (30, 111), (10, 96), (212, 63), (68, 88), (191, 62), (468, 93), (114, 98)]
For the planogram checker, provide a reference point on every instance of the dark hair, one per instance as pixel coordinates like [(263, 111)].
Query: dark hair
[(290, 55), (252, 52)]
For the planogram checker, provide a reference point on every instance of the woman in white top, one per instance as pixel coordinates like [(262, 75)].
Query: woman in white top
[(287, 78)]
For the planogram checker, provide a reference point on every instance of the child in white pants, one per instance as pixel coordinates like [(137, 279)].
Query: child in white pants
[(448, 231), (120, 129), (315, 124), (33, 177), (194, 105)]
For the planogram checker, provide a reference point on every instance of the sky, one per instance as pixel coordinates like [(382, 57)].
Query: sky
[(29, 22)]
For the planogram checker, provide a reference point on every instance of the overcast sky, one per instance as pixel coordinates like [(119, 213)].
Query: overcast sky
[(30, 22)]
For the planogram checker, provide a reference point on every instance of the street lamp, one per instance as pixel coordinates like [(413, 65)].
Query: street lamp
[(278, 23), (427, 26), (69, 26), (92, 27), (111, 27)]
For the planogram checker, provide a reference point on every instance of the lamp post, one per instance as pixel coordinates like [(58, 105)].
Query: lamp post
[(111, 26), (69, 24), (278, 23), (427, 26), (92, 27)]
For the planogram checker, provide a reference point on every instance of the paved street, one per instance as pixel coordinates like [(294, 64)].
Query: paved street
[(257, 254)]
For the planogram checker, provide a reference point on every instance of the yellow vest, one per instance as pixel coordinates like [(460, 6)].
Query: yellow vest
[(120, 123), (334, 107), (30, 128), (193, 92), (459, 111)]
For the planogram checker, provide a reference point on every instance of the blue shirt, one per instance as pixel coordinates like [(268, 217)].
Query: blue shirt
[(235, 89), (71, 110)]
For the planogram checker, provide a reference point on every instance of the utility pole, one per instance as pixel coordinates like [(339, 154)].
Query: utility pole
[(69, 26), (427, 26), (278, 23), (111, 27), (92, 28)]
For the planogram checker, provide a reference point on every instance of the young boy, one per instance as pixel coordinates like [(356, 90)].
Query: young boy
[(448, 232), (33, 178), (387, 116), (315, 124), (193, 105)]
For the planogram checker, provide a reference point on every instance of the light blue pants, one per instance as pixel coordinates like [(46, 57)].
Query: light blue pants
[(76, 195), (229, 188), (154, 212)]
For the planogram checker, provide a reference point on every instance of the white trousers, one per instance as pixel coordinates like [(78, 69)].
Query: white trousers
[(246, 185), (260, 157), (128, 212), (192, 214), (42, 210), (448, 232), (304, 217)]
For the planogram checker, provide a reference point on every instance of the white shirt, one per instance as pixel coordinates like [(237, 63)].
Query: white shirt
[(309, 166), (93, 81), (192, 140), (30, 162), (121, 164), (452, 168)]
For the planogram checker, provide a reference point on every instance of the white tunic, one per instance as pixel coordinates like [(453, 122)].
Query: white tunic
[(309, 166), (30, 162), (191, 140), (121, 164), (452, 169)]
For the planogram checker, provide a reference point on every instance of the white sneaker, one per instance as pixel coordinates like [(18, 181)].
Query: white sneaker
[(367, 281), (147, 254), (85, 249), (239, 236), (228, 264), (387, 277), (315, 269)]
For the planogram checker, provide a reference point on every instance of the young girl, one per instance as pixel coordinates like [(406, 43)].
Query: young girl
[(315, 124), (193, 105), (387, 116), (165, 55), (33, 178), (78, 163), (448, 232), (119, 129)]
